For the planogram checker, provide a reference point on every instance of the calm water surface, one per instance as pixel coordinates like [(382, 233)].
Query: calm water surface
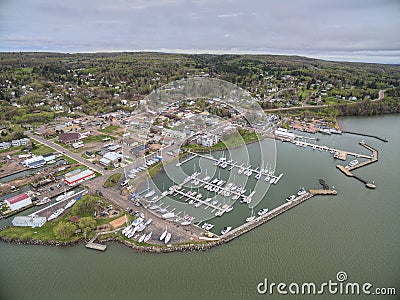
[(357, 232)]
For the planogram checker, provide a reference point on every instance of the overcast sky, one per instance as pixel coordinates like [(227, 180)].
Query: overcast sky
[(355, 30)]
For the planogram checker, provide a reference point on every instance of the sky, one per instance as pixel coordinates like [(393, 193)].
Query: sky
[(348, 30)]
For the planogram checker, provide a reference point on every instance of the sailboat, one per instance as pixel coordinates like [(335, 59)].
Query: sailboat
[(252, 216), (167, 238), (163, 234), (141, 239)]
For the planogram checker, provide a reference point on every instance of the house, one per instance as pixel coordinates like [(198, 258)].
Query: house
[(208, 140), (18, 201), (69, 137), (111, 158), (34, 162)]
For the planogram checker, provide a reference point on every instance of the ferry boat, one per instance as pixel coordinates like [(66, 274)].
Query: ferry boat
[(262, 212), (225, 230), (56, 214), (43, 201), (70, 203)]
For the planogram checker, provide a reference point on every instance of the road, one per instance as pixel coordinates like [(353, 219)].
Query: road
[(67, 153)]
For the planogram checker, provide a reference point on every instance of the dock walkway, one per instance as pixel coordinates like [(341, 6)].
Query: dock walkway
[(265, 218), (373, 158)]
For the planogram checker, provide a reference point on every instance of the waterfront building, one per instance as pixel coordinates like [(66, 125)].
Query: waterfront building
[(283, 133), (18, 201), (208, 140), (34, 162), (26, 221), (78, 177)]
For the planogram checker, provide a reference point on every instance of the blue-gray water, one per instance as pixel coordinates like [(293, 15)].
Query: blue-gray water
[(357, 231)]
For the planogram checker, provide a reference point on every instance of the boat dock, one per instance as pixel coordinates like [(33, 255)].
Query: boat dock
[(42, 212), (347, 171), (340, 154), (179, 163), (238, 166), (267, 217), (95, 246)]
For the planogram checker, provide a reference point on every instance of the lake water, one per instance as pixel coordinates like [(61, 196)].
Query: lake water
[(357, 231)]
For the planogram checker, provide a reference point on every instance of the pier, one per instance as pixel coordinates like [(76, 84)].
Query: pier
[(178, 164), (248, 168), (95, 246), (347, 171), (368, 135), (267, 217), (341, 154)]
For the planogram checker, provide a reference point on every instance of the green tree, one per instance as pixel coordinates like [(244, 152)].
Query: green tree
[(87, 224), (64, 230), (85, 206)]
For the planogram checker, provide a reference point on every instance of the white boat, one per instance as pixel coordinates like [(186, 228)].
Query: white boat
[(168, 215), (141, 239), (218, 213), (126, 229), (272, 180), (204, 226), (70, 203), (150, 193), (290, 198), (162, 210), (229, 208), (206, 178), (301, 192), (198, 204), (148, 221), (141, 228), (163, 234), (167, 238), (43, 201), (252, 216), (207, 200), (209, 227), (185, 223), (225, 230), (131, 176), (262, 212), (65, 196), (147, 237), (56, 214), (240, 171), (154, 207)]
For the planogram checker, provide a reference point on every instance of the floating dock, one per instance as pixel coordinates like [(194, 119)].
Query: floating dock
[(347, 171), (341, 154), (236, 165), (269, 216)]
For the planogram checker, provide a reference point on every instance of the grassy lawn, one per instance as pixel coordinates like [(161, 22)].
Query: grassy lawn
[(153, 170), (41, 149), (112, 180), (97, 138), (110, 129)]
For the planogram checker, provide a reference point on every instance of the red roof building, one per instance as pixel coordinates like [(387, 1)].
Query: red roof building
[(18, 201)]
